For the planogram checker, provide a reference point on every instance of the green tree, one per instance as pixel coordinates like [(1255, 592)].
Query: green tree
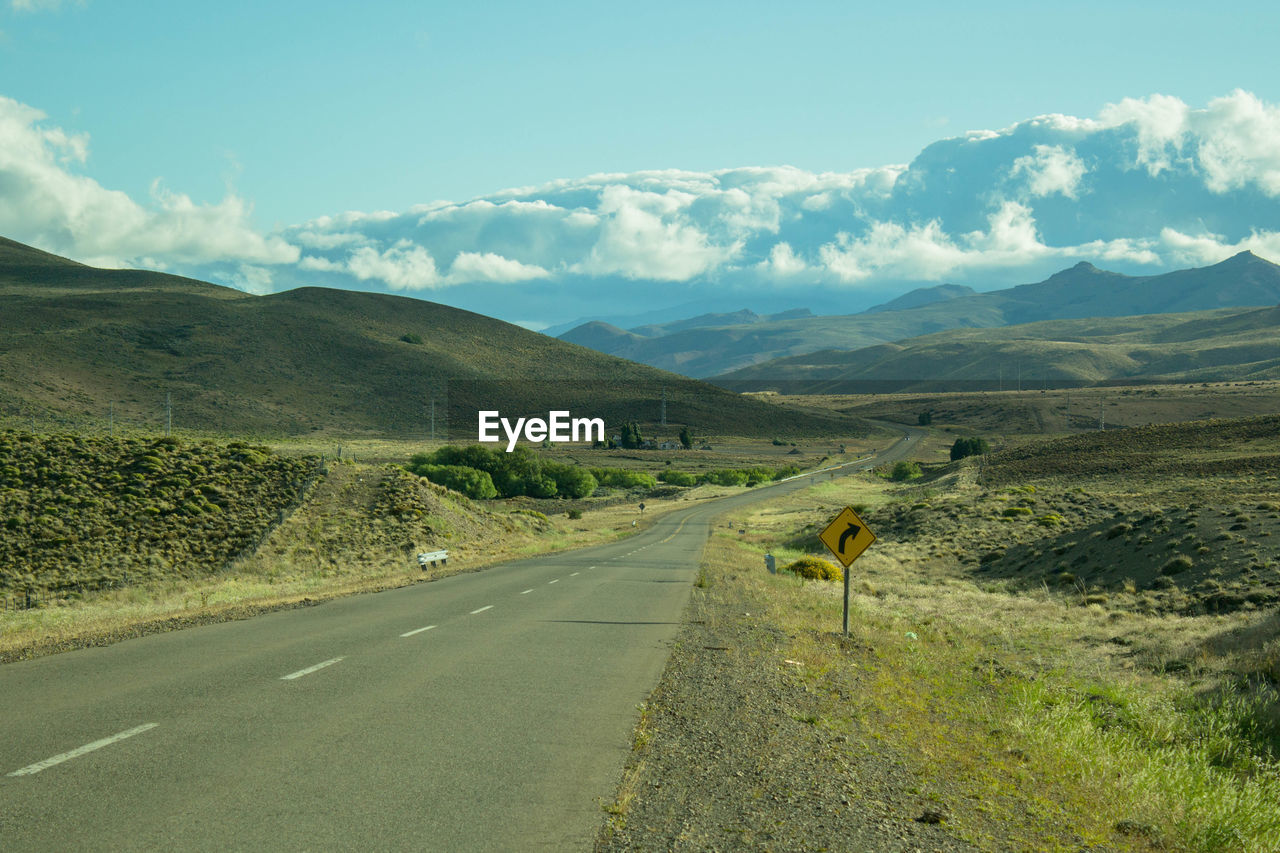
[(904, 470), (925, 418), (686, 438), (969, 447)]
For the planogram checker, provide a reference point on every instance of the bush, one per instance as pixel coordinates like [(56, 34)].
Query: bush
[(815, 569), (621, 478), (1176, 565), (969, 447), (924, 419), (571, 481), (904, 470), (473, 483), (574, 514), (521, 472), (725, 477), (678, 478)]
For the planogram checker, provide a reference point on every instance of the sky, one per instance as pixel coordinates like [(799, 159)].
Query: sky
[(546, 162)]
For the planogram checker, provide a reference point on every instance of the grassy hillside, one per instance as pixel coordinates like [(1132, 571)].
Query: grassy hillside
[(85, 514), (1080, 292), (80, 344), (1228, 344)]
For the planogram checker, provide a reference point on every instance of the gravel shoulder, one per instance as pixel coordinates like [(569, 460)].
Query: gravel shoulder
[(734, 750)]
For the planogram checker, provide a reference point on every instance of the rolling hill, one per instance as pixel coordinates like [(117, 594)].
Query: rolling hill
[(82, 344), (1226, 344), (1244, 280)]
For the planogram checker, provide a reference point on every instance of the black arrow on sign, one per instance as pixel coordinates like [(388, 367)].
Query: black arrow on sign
[(850, 533)]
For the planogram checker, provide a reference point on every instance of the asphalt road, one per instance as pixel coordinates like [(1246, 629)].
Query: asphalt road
[(487, 711)]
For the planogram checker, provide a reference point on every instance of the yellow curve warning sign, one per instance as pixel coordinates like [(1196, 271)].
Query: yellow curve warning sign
[(847, 536)]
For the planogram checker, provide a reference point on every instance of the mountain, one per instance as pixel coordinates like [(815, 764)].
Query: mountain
[(922, 296), (1226, 344), (82, 344), (1078, 292)]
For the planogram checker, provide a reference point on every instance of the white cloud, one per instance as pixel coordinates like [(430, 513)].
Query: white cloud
[(1161, 124), (487, 266), (641, 237), (1052, 169), (46, 203), (403, 266), (1240, 144), (926, 252), (1206, 248), (1148, 183), (783, 261)]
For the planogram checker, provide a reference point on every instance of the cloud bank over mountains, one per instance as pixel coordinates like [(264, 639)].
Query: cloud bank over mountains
[(1147, 185)]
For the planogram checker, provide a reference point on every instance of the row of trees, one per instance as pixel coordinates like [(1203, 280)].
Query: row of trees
[(481, 473)]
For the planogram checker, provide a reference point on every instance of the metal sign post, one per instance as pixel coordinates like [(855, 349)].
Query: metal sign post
[(847, 536)]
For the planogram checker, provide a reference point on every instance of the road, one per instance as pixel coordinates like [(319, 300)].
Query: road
[(486, 711)]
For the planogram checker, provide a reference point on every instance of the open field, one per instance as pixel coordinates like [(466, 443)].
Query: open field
[(1032, 664), (1054, 411), (110, 537)]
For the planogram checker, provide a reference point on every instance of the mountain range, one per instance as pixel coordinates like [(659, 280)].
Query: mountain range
[(79, 343), (1081, 291)]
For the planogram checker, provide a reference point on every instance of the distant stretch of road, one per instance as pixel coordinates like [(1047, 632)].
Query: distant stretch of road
[(491, 710)]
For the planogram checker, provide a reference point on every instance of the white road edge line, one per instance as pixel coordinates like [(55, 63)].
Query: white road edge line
[(526, 592), (309, 670), (480, 609), (76, 753), (417, 631)]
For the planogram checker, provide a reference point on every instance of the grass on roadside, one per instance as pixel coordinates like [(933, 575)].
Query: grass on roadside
[(1026, 737)]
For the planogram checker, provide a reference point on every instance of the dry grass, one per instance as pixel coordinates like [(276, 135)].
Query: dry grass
[(1045, 716)]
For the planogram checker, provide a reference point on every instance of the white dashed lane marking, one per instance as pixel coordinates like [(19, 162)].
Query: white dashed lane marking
[(526, 592), (87, 748), (417, 631), (573, 574), (557, 580), (481, 609), (291, 676)]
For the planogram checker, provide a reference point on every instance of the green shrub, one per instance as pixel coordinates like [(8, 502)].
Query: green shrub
[(678, 478), (1176, 565), (815, 569), (1015, 511), (571, 481), (969, 447), (473, 483), (904, 470), (621, 478), (724, 477), (574, 514)]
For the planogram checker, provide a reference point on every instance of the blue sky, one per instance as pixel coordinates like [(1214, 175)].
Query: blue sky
[(259, 122)]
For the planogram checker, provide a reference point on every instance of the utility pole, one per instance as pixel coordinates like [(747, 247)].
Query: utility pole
[(1068, 411), (1102, 424), (168, 413), (111, 418), (664, 405), (433, 418)]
